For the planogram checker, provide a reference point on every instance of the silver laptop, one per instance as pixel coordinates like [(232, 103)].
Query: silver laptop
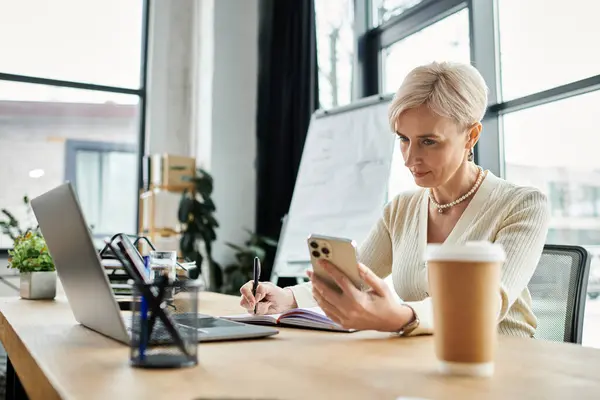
[(85, 282)]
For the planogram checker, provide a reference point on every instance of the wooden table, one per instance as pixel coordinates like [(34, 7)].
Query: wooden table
[(57, 358)]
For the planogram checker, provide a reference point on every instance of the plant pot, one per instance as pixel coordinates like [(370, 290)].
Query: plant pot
[(38, 285)]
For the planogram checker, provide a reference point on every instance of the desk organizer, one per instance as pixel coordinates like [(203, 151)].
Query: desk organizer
[(164, 335)]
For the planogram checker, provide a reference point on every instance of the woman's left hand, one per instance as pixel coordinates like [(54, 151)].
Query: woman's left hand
[(375, 309)]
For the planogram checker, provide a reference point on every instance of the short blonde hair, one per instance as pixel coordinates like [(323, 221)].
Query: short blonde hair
[(450, 89)]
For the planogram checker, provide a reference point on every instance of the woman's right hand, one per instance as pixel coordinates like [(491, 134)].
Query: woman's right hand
[(271, 299)]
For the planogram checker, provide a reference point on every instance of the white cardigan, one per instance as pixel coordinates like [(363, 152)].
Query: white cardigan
[(501, 212)]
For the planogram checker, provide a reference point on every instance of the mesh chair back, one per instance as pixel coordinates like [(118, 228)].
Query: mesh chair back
[(558, 290)]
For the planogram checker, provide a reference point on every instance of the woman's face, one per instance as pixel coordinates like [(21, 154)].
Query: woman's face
[(433, 147)]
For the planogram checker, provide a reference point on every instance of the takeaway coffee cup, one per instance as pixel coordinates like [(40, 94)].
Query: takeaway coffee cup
[(464, 284)]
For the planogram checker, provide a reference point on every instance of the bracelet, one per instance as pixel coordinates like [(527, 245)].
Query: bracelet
[(411, 325)]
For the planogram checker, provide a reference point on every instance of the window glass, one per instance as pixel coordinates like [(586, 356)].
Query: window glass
[(335, 51), (543, 44), (37, 124), (554, 148), (106, 182), (446, 40), (86, 41), (383, 10)]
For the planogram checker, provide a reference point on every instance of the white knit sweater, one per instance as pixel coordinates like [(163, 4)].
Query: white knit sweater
[(501, 212)]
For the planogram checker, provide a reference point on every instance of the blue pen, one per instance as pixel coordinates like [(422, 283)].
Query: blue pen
[(144, 316)]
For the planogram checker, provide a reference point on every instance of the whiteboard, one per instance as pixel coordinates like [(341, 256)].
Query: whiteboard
[(342, 181)]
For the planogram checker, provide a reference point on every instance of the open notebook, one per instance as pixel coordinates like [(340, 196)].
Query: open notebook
[(312, 317)]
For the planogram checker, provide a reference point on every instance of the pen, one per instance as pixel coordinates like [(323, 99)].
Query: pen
[(144, 334), (255, 278)]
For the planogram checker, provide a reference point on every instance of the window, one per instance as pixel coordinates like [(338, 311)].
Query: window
[(554, 147), (37, 125), (559, 198), (551, 147), (335, 51), (105, 180), (87, 41), (71, 91), (597, 201), (568, 200), (584, 202), (554, 143), (546, 43), (383, 10), (446, 40)]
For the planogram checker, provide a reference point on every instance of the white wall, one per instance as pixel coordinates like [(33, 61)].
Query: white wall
[(231, 130), (203, 84), (170, 56), (203, 73)]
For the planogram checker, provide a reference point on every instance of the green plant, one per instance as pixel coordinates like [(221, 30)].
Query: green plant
[(30, 254), (196, 213), (237, 274), (11, 226)]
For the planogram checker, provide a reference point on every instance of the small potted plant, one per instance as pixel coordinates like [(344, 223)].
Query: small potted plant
[(31, 257)]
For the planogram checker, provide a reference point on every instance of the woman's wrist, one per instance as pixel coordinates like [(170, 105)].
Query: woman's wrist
[(403, 315), (291, 302)]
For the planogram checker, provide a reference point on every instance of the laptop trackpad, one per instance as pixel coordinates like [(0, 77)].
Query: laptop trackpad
[(204, 323)]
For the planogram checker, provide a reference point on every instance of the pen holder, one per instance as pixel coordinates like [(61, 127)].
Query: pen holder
[(164, 335)]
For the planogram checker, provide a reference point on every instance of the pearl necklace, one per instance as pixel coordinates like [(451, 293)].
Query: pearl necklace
[(462, 198)]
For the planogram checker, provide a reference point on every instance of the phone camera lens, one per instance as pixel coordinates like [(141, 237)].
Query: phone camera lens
[(325, 250), (314, 245), (316, 254)]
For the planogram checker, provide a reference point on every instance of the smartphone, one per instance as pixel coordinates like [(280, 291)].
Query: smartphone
[(340, 252)]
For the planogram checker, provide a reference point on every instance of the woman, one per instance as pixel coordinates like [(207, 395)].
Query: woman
[(436, 115)]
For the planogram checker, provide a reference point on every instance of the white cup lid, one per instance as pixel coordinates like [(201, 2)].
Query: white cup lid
[(482, 251)]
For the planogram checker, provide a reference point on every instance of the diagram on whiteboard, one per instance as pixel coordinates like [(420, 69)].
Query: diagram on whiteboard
[(342, 181)]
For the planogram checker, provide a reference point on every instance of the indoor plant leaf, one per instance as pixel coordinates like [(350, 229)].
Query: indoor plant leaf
[(186, 243), (258, 251), (196, 210), (203, 186), (234, 246), (269, 241), (209, 204), (185, 205)]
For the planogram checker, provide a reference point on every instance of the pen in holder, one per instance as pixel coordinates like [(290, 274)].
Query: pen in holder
[(162, 336)]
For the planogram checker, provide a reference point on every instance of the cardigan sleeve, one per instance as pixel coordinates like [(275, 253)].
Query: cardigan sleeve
[(522, 235), (375, 252)]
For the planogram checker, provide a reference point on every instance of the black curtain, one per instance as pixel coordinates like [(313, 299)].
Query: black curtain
[(287, 97)]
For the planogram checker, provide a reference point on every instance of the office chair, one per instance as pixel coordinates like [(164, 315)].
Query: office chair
[(558, 290)]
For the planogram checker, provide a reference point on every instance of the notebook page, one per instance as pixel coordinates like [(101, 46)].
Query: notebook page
[(310, 313), (250, 318), (307, 323)]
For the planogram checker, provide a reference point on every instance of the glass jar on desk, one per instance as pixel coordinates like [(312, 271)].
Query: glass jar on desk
[(164, 337)]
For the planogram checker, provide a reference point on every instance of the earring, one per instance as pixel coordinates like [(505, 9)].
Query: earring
[(471, 155)]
